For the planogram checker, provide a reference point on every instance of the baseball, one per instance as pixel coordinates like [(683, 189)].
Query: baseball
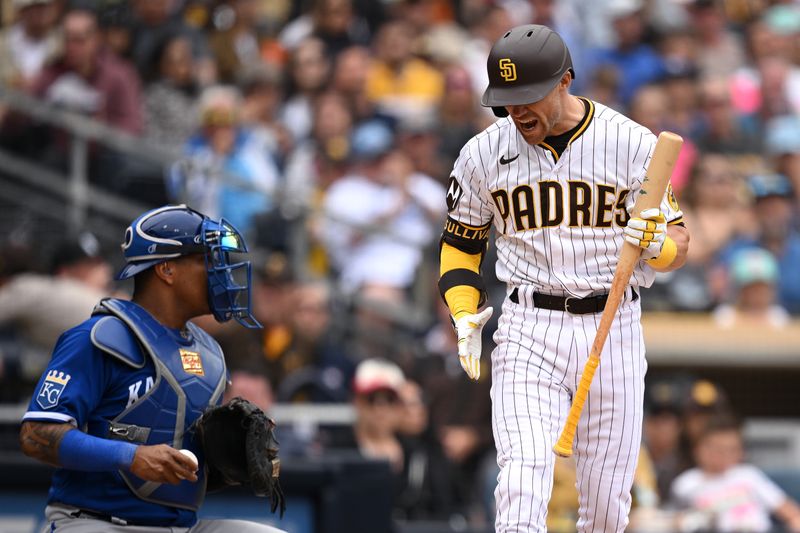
[(192, 456)]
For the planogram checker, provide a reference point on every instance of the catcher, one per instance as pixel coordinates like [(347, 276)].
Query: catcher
[(136, 384)]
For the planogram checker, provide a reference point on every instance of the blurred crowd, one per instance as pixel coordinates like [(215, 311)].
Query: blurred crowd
[(334, 124)]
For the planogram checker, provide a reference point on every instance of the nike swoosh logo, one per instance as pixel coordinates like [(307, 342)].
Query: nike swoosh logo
[(504, 161)]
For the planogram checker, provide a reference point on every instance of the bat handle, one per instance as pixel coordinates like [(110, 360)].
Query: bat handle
[(564, 445)]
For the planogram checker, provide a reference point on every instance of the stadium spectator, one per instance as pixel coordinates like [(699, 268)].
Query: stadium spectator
[(720, 52), (417, 139), (733, 495), (776, 232), (485, 26), (338, 26), (350, 80), (153, 22), (376, 398), (262, 90), (650, 107), (334, 22), (716, 208), (225, 147), (316, 162), (170, 114), (425, 492), (459, 116), (400, 84), (783, 145), (310, 69), (383, 190), (705, 401), (460, 413), (636, 62), (754, 279), (662, 432), (89, 79), (779, 87), (26, 45), (238, 46), (41, 306), (313, 366), (252, 385), (723, 129), (670, 106)]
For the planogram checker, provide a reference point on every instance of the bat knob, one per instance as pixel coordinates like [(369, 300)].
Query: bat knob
[(563, 450)]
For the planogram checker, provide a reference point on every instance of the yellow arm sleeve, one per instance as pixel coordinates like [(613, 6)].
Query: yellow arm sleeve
[(461, 299)]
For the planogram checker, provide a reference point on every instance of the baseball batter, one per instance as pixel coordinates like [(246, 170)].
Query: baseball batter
[(555, 176), (115, 407)]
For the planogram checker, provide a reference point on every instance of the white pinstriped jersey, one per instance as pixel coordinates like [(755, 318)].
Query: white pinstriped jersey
[(558, 220)]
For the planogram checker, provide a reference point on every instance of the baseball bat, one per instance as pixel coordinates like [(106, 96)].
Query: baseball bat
[(653, 187)]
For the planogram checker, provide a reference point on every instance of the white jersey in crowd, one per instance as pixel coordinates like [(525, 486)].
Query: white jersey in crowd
[(740, 499), (580, 198)]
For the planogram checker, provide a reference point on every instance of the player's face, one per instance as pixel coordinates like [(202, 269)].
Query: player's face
[(540, 119), (536, 121), (191, 283)]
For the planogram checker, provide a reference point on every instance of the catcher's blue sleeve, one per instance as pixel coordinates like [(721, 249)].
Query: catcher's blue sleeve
[(72, 385)]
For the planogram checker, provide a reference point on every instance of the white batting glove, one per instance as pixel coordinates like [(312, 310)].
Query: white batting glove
[(468, 331), (648, 231)]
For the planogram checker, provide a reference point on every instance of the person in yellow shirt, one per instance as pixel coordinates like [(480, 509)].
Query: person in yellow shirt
[(398, 82)]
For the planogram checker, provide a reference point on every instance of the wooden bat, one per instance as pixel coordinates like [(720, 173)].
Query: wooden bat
[(653, 187)]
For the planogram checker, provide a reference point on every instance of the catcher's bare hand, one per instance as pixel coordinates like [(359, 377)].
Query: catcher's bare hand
[(162, 464), (468, 331)]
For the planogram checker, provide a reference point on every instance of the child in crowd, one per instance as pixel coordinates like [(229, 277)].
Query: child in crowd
[(734, 496)]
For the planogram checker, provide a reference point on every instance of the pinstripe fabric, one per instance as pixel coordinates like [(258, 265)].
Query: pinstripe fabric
[(536, 368), (540, 353)]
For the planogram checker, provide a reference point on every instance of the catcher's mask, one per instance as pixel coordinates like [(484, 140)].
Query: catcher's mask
[(176, 230)]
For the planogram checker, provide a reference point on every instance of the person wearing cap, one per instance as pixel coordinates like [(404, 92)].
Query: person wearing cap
[(382, 190), (122, 390), (377, 385), (227, 170), (662, 429), (555, 178), (754, 277), (782, 143), (776, 232), (636, 62), (26, 46), (40, 306)]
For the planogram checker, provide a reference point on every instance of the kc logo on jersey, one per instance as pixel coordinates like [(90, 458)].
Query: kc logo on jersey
[(54, 384), (192, 364), (454, 192), (508, 70)]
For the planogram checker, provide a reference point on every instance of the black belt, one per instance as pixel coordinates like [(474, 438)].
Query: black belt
[(576, 306)]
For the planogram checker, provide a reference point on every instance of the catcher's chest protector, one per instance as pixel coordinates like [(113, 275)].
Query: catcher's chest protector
[(190, 377)]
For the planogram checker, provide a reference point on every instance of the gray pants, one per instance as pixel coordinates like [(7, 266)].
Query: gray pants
[(59, 518)]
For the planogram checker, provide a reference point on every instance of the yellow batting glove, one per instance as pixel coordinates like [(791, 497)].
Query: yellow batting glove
[(468, 331), (648, 231)]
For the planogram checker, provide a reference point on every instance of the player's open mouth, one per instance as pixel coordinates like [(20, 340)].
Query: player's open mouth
[(529, 125)]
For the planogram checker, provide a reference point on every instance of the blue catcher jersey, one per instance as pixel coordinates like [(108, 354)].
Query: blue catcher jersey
[(87, 388)]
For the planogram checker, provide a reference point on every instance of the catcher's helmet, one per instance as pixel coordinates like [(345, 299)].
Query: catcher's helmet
[(175, 230), (524, 65)]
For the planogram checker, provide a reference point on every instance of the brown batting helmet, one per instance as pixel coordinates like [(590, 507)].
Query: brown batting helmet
[(525, 64)]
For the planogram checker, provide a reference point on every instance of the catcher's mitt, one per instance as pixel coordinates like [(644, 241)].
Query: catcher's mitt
[(240, 448)]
